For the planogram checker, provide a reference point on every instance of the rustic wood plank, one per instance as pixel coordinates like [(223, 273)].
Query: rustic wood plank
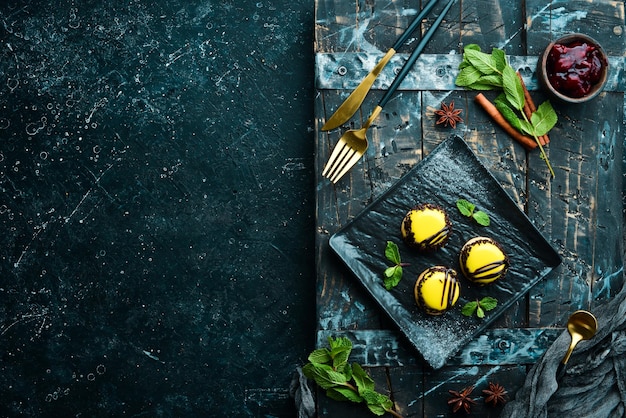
[(436, 390), (501, 27), (603, 21), (579, 206), (378, 348), (430, 71)]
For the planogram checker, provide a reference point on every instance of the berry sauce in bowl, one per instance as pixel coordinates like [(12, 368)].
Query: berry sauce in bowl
[(574, 68)]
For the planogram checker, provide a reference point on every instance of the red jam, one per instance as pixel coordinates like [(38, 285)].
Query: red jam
[(575, 68)]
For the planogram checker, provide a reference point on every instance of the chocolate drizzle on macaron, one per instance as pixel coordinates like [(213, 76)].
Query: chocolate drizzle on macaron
[(483, 260), (436, 290), (426, 227)]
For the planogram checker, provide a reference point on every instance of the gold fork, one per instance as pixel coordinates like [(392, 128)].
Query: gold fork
[(350, 148), (353, 143)]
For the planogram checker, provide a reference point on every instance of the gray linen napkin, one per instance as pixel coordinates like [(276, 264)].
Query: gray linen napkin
[(595, 381)]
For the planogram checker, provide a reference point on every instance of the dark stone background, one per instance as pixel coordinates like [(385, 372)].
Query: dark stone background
[(156, 206)]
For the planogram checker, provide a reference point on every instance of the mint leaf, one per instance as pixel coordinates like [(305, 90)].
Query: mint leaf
[(394, 278), (544, 118), (341, 359), (513, 88), (362, 379), (323, 375), (393, 274), (481, 218), (481, 71), (507, 112), (493, 80), (392, 252), (344, 394), (320, 356), (469, 308), (468, 76), (469, 209), (390, 271), (465, 207), (527, 127), (479, 307), (499, 58), (485, 63), (488, 303), (377, 402), (339, 344)]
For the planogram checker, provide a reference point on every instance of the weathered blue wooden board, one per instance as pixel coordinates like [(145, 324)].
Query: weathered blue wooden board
[(580, 211)]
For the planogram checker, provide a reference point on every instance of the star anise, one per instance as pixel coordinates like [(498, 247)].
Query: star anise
[(448, 115), (495, 394), (461, 399)]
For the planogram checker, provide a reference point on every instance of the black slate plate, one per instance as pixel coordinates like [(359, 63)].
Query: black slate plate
[(451, 171)]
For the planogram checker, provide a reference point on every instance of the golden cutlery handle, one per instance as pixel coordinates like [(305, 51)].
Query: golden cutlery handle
[(352, 103)]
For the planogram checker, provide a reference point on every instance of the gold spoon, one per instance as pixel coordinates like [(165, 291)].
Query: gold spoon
[(581, 325)]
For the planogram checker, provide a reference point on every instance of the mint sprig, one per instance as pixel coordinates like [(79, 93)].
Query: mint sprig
[(479, 307), (393, 274), (482, 71), (329, 368), (469, 209)]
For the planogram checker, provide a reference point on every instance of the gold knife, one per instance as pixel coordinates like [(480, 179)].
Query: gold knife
[(352, 103)]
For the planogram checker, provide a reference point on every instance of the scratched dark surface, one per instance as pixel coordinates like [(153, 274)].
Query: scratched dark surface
[(580, 211), (156, 206)]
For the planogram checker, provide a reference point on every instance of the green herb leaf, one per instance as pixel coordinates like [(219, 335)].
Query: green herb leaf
[(465, 207), (377, 402), (544, 118), (344, 394), (468, 76), (493, 80), (469, 209), (339, 344), (507, 112), (488, 303), (321, 355), (323, 375), (392, 280), (342, 381), (479, 307), (340, 361), (472, 47), (485, 63), (393, 274), (513, 88), (361, 378), (527, 127), (392, 252), (499, 58), (481, 218), (469, 308)]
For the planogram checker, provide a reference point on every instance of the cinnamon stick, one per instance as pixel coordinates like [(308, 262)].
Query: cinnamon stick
[(526, 141), (529, 108)]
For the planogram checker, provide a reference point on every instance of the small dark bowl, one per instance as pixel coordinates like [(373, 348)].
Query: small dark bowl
[(567, 40)]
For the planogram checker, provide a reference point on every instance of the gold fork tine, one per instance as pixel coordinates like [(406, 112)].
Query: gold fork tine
[(332, 160), (352, 161), (350, 148), (340, 162)]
